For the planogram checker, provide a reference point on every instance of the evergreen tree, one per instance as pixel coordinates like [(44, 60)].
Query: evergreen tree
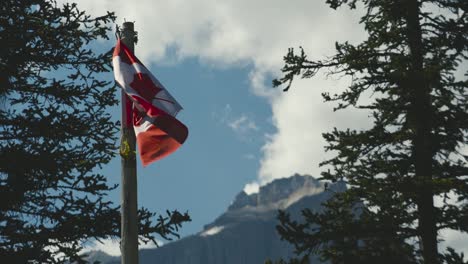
[(55, 133), (413, 152)]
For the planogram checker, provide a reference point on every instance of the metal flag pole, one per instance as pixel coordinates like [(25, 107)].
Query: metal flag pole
[(129, 203)]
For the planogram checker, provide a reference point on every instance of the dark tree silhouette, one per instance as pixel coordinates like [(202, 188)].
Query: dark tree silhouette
[(413, 152), (55, 133)]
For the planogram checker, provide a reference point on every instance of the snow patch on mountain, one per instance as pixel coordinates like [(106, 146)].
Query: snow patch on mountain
[(212, 231)]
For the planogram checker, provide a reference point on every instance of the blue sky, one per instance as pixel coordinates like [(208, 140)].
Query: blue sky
[(217, 58), (227, 127)]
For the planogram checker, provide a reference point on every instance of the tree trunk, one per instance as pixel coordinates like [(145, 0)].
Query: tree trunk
[(422, 150)]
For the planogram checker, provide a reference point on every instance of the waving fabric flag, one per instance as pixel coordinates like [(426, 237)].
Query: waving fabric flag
[(157, 130)]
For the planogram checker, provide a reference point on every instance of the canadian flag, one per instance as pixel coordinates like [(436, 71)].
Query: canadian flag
[(157, 131)]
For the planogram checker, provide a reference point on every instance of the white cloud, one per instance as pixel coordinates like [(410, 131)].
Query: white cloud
[(454, 239), (112, 246), (109, 246), (234, 33), (251, 188), (243, 125), (224, 115)]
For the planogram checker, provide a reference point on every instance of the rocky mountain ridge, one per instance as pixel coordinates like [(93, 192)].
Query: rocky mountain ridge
[(246, 232)]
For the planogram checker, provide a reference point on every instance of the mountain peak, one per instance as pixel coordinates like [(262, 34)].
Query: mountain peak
[(279, 193), (246, 232)]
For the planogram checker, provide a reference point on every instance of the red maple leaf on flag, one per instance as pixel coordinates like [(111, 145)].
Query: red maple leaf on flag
[(145, 87)]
